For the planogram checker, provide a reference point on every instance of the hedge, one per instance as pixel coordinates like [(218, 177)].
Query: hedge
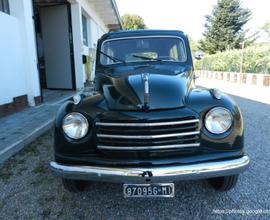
[(256, 60)]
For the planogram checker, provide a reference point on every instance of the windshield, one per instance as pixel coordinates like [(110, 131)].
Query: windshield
[(170, 49)]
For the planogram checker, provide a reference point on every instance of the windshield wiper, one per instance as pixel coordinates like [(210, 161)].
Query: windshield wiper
[(115, 59), (147, 58)]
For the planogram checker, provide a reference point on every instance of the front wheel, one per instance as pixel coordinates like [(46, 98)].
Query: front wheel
[(74, 186), (224, 183)]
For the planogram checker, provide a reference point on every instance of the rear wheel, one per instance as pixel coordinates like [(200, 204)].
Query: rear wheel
[(224, 183), (74, 186)]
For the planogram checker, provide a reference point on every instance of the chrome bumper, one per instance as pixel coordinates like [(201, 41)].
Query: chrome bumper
[(154, 174)]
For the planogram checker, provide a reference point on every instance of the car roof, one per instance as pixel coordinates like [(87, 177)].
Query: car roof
[(137, 33)]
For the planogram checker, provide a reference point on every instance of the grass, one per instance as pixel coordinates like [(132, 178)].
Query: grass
[(32, 149), (65, 198), (22, 161), (2, 204), (46, 213), (40, 169), (21, 170), (37, 182), (5, 176), (46, 199)]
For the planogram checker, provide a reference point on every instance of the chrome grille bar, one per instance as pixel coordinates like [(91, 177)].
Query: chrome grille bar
[(160, 147), (147, 136), (147, 124), (159, 135)]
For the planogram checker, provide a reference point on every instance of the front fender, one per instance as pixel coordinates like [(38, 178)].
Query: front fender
[(90, 107), (201, 101)]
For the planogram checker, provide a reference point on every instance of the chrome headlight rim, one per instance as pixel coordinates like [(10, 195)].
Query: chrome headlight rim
[(211, 111), (82, 118)]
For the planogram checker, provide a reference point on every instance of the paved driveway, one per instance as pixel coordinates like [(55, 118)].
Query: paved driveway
[(29, 191)]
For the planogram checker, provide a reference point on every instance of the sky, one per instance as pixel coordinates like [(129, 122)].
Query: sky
[(188, 15)]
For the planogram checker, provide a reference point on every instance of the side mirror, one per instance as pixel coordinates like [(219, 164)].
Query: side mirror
[(198, 55), (195, 77)]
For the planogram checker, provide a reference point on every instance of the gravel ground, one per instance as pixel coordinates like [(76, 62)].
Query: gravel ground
[(28, 190)]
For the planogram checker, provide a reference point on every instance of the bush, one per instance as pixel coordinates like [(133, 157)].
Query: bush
[(256, 60)]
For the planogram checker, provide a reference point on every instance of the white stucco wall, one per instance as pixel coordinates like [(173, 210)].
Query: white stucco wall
[(12, 75), (94, 34), (18, 57), (90, 10), (76, 21), (96, 28), (23, 11), (18, 62)]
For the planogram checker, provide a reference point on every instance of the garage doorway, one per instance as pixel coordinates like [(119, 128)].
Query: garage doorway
[(54, 45)]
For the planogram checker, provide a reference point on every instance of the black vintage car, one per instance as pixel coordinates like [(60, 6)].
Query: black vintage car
[(146, 125)]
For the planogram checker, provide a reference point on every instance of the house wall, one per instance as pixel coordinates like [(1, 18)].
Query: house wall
[(95, 27), (12, 76), (18, 73), (23, 11), (18, 54)]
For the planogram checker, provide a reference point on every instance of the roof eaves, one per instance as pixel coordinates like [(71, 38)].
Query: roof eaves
[(115, 8)]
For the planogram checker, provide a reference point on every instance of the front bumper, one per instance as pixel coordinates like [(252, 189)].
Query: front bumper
[(152, 174)]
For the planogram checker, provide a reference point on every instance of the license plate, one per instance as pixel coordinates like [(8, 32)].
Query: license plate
[(149, 190)]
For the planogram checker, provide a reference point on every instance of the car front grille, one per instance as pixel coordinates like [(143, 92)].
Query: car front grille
[(148, 136)]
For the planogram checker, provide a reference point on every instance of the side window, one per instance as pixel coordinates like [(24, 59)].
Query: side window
[(174, 53), (182, 53), (84, 29), (110, 53), (177, 52), (106, 60), (4, 6)]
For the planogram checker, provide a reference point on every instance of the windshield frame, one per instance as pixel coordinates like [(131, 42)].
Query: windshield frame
[(144, 61)]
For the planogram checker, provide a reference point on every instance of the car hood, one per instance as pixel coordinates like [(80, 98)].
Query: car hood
[(127, 91)]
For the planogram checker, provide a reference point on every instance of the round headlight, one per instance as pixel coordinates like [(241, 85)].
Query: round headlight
[(218, 120), (75, 125)]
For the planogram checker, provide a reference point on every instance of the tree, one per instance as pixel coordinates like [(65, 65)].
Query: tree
[(266, 30), (193, 46), (133, 22), (224, 27), (251, 38)]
